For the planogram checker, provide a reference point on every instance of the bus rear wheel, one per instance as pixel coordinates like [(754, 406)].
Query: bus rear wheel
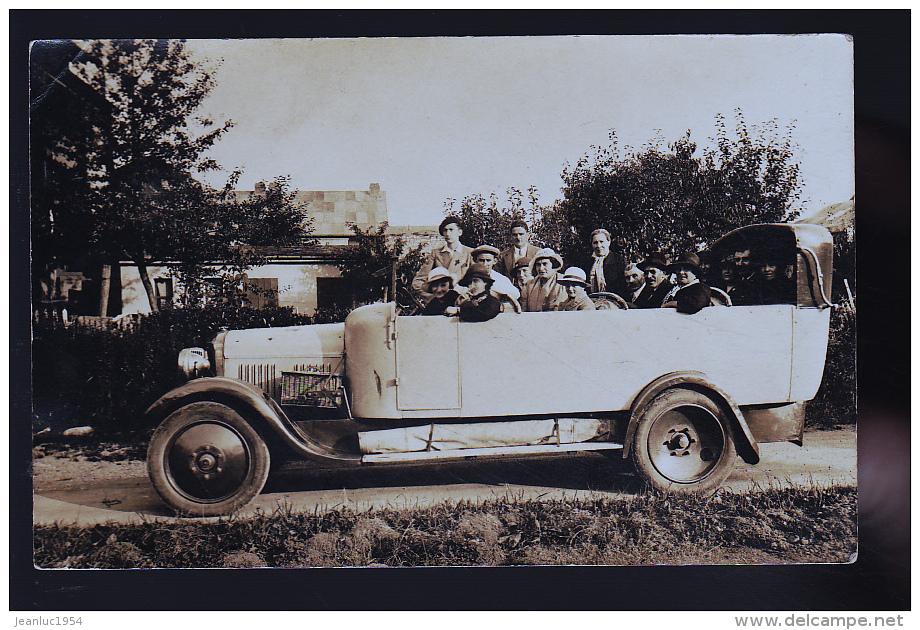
[(683, 443)]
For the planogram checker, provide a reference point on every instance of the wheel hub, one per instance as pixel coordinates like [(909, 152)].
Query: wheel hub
[(679, 442), (685, 443), (208, 461)]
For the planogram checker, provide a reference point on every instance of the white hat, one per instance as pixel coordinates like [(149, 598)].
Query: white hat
[(546, 252), (438, 273), (574, 275)]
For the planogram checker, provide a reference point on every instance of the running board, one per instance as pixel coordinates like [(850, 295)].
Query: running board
[(468, 453)]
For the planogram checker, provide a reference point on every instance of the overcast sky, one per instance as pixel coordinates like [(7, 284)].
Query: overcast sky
[(432, 118)]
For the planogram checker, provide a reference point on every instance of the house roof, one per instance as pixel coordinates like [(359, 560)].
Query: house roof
[(294, 254), (303, 253)]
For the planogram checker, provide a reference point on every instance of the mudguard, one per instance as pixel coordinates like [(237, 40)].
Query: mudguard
[(256, 407), (745, 443)]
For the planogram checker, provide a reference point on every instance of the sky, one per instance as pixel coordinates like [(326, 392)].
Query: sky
[(437, 118)]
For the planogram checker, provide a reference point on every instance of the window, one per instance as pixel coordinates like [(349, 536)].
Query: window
[(262, 292), (163, 288), (332, 292)]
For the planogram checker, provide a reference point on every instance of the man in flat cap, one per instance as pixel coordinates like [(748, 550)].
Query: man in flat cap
[(502, 287), (635, 282)]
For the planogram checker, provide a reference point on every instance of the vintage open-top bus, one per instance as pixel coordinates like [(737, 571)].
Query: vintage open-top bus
[(678, 395)]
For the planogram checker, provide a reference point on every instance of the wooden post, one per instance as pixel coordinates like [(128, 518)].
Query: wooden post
[(104, 285), (393, 282)]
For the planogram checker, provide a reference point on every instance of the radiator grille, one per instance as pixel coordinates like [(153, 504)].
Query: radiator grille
[(267, 376)]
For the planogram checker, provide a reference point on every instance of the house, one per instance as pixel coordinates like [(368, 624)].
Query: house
[(304, 277)]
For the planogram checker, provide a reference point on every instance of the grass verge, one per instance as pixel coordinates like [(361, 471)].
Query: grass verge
[(767, 526)]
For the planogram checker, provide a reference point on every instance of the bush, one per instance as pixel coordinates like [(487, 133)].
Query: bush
[(106, 377), (835, 402)]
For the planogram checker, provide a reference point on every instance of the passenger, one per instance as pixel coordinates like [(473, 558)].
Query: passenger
[(502, 287), (657, 285), (635, 282), (575, 283), (690, 295), (745, 291), (543, 292), (441, 286), (521, 275), (520, 249), (477, 304), (725, 275), (607, 272), (775, 287), (453, 256)]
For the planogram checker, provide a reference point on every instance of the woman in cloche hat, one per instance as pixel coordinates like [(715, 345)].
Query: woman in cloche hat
[(441, 285), (478, 305), (690, 295)]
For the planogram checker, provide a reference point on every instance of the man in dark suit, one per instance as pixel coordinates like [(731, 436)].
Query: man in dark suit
[(657, 285), (746, 290), (690, 295), (635, 282), (520, 249), (606, 273)]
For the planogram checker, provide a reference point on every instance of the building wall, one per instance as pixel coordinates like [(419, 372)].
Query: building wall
[(133, 296), (331, 210), (296, 284)]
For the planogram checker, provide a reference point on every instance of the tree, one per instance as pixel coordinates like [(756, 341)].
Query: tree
[(66, 121), (219, 237), (485, 223), (124, 171), (671, 199), (369, 267)]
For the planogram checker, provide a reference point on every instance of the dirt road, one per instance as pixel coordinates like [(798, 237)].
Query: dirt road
[(86, 493)]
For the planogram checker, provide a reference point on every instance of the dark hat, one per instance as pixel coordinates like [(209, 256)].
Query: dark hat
[(654, 260), (522, 263), (476, 270), (688, 259)]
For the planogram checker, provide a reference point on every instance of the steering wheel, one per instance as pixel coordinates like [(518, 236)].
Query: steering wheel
[(608, 301)]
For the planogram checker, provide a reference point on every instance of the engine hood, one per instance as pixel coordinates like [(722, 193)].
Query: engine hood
[(317, 340)]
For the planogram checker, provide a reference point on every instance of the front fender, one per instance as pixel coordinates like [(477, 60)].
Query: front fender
[(258, 407), (745, 442)]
